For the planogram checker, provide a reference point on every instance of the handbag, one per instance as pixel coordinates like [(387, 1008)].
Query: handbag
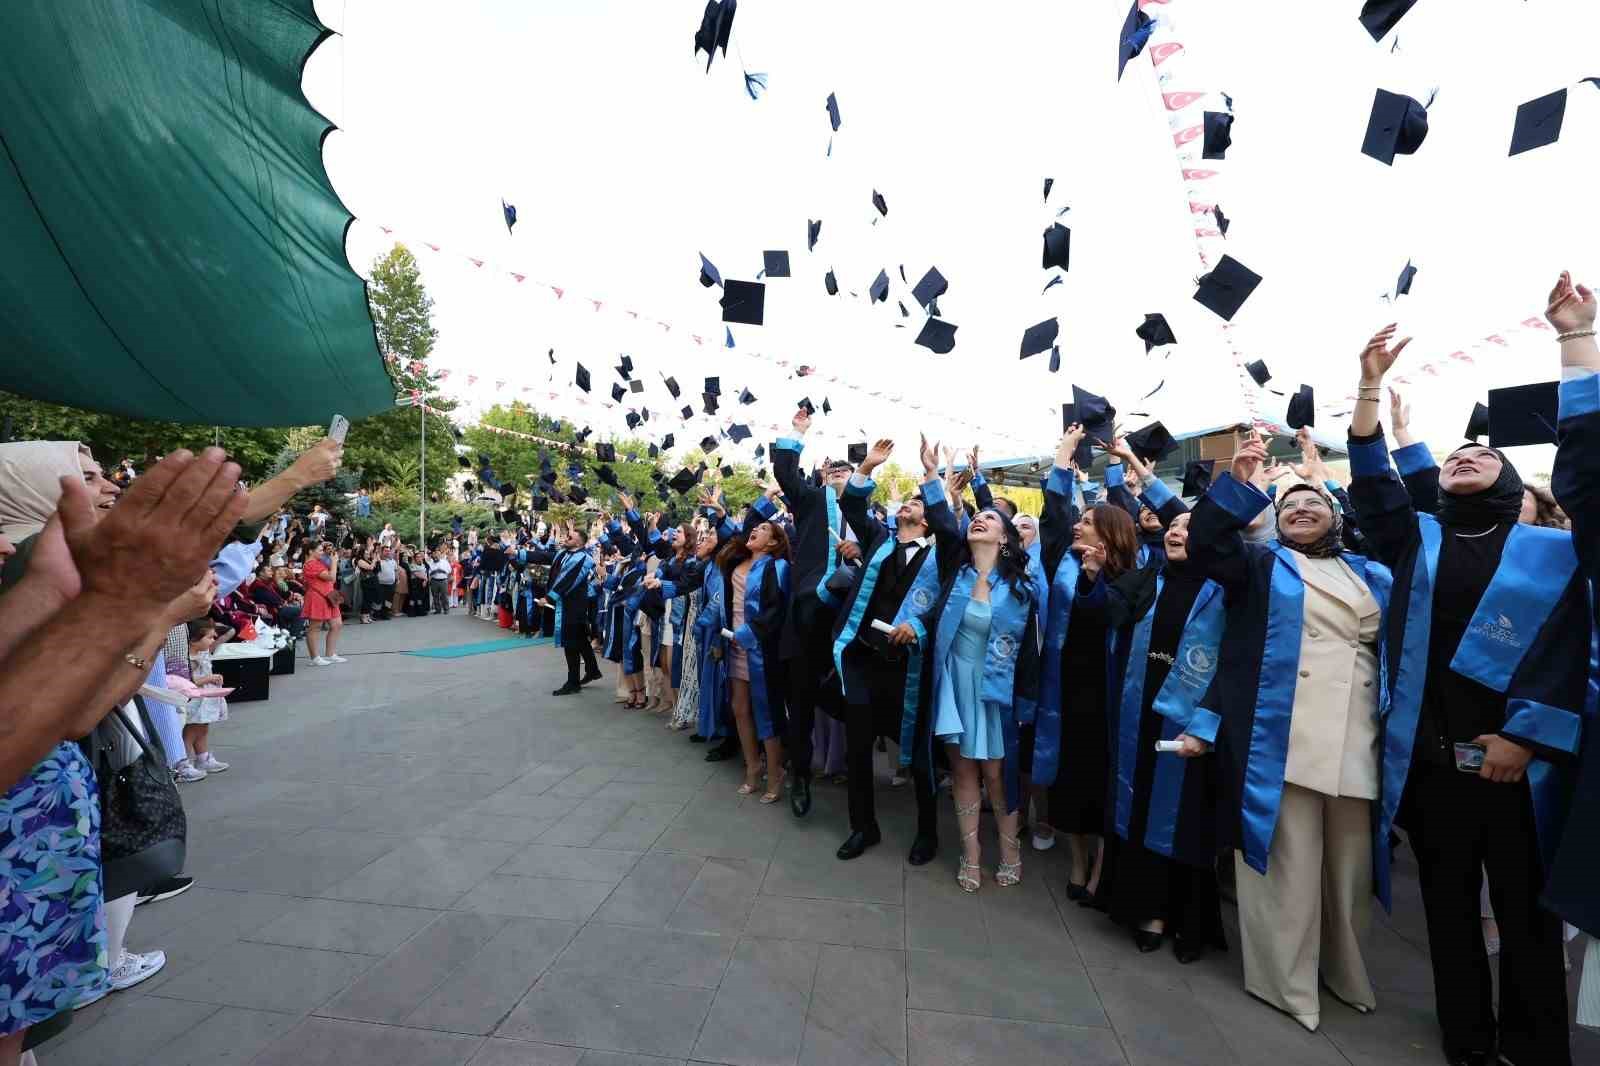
[(143, 829), (335, 599)]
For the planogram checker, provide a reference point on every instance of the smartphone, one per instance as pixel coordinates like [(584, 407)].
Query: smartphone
[(1469, 758), (338, 428)]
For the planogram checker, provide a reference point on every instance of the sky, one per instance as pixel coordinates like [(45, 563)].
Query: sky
[(625, 159)]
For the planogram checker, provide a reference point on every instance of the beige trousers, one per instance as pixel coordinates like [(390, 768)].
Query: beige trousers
[(1312, 910)]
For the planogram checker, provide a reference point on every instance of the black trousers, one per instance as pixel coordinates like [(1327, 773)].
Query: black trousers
[(863, 723), (807, 667), (1460, 825), (579, 651)]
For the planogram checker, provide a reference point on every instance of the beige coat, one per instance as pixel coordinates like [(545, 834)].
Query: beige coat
[(1333, 730)]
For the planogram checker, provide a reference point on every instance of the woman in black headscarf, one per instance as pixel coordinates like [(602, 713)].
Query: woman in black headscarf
[(1494, 618)]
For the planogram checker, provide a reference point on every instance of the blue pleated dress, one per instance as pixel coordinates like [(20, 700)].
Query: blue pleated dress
[(963, 718)]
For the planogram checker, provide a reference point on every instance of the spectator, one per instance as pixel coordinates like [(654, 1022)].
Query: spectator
[(317, 520), (198, 762), (349, 582), (367, 579), (388, 578), (363, 504), (387, 537), (439, 570), (322, 607), (417, 584), (283, 607)]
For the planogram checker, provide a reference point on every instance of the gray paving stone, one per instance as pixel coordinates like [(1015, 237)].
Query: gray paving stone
[(829, 921), (758, 1017), (305, 864), (400, 983), (1159, 1021), (499, 1052), (334, 1042), (570, 864), (696, 960), (424, 872), (584, 782), (338, 925), (806, 866), (479, 994), (136, 1026), (536, 897), (998, 986), (940, 916), (720, 898), (936, 1039), (857, 1015), (610, 1014), (232, 1036), (651, 891), (269, 977)]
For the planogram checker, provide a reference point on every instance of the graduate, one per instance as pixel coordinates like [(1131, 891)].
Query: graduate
[(1299, 696), (881, 681), (571, 567), (1489, 652)]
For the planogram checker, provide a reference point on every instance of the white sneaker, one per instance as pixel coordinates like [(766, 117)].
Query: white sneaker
[(1042, 842), (135, 968), (337, 659), (320, 661), (210, 764), (187, 772)]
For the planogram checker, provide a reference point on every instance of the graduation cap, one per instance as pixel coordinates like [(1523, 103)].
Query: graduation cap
[(1478, 424), (1052, 283), (672, 387), (577, 494), (557, 495), (1225, 289), (1523, 414), (1197, 477), (738, 432), (541, 503), (856, 453), (830, 283), (1257, 369), (937, 336), (618, 392), (1057, 246), (709, 444), (510, 214), (1222, 219), (466, 464), (713, 386), (1403, 286), (1218, 135), (1136, 30), (715, 27), (1154, 331), (687, 413), (880, 287), (833, 112), (635, 385), (931, 287), (607, 475), (813, 231), (1302, 408), (1037, 338), (1152, 443), (827, 408), (653, 452), (880, 203), (746, 396), (1048, 182), (709, 403), (805, 405), (743, 301), (605, 452), (709, 275), (667, 441), (552, 354), (582, 378), (625, 366), (1397, 126), (727, 470), (1380, 16), (1539, 122), (903, 312), (1055, 358), (761, 449), (776, 263), (1095, 414), (1083, 454)]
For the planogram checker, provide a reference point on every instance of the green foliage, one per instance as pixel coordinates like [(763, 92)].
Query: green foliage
[(334, 495), (402, 310), (894, 484), (439, 516)]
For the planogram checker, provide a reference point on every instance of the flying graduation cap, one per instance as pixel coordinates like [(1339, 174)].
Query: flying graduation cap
[(1155, 332), (1302, 408), (1218, 136), (746, 396), (1222, 220), (1403, 286), (709, 274), (1039, 337), (856, 453), (1197, 477), (833, 112), (618, 392), (715, 27), (1257, 369), (465, 463), (607, 475), (667, 441), (1381, 16), (605, 452), (743, 301), (1523, 414), (937, 336), (1095, 414), (776, 263), (1397, 126), (880, 203), (738, 432), (686, 412), (830, 283), (1225, 289), (1539, 122), (1055, 358), (1478, 423), (510, 214), (880, 287), (709, 444), (1136, 30), (805, 405), (813, 231), (683, 481), (672, 387), (931, 287), (1152, 443), (582, 378), (1057, 246)]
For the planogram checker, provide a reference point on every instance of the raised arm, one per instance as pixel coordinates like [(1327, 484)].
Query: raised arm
[(980, 485), (857, 497), (1218, 521), (1061, 511), (799, 490), (1575, 480), (1412, 459), (941, 518), (1383, 505)]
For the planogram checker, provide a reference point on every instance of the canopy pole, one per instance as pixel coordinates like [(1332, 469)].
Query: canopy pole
[(422, 478)]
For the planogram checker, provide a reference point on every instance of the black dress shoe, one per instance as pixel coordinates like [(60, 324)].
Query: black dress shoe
[(696, 738), (1147, 941), (858, 842), (800, 796), (567, 690), (923, 849), (1077, 893), (1188, 951), (593, 675), (721, 753)]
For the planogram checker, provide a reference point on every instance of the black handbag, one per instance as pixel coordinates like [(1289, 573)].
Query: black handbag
[(143, 830)]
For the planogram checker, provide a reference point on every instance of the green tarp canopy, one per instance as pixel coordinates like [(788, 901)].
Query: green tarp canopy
[(170, 245)]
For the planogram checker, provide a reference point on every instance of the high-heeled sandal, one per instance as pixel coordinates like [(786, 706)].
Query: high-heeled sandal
[(746, 789), (1009, 873), (968, 874), (774, 792)]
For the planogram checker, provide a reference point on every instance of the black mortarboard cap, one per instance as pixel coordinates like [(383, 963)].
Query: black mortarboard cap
[(668, 441), (1083, 455), (833, 112), (715, 27), (1048, 182), (1222, 220), (607, 475), (713, 386), (738, 432), (1523, 414), (903, 312), (578, 494), (856, 453), (827, 408), (1302, 408), (1155, 331), (552, 354), (1136, 30), (1380, 16), (557, 495), (880, 286), (829, 283), (687, 412), (582, 378), (746, 396), (709, 275), (1403, 286), (653, 451), (805, 405), (709, 443), (743, 301), (1478, 424), (938, 336), (1197, 477), (625, 366), (1257, 369), (510, 213), (605, 452), (1039, 337), (617, 391), (880, 203), (1218, 136), (1397, 126), (1057, 246), (683, 481), (1095, 413), (813, 231), (1152, 443), (672, 387), (708, 403), (776, 263), (466, 464), (541, 503), (1055, 358), (761, 449), (727, 470), (1539, 122), (931, 287), (1225, 289)]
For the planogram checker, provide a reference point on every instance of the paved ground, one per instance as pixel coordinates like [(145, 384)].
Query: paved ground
[(430, 862)]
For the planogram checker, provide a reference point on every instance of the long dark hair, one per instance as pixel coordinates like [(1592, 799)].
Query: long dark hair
[(1120, 536), (737, 550), (1012, 564)]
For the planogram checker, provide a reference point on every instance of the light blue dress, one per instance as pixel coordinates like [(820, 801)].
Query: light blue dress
[(963, 717)]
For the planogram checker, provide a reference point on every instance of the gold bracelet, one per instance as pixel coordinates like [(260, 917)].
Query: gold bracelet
[(1574, 334), (1366, 399), (138, 662)]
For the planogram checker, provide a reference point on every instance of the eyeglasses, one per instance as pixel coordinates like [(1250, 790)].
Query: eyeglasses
[(1303, 501)]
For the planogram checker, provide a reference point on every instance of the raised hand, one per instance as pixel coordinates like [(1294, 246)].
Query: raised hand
[(1069, 444), (972, 460), (1249, 453), (1571, 306), (801, 420), (1378, 357), (1091, 556), (625, 500), (877, 455), (930, 457)]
